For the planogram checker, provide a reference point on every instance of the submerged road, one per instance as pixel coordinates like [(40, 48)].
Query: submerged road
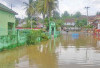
[(67, 51)]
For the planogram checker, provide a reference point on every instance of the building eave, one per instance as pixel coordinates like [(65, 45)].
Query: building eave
[(6, 9)]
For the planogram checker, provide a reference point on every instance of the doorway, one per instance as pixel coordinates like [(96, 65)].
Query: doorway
[(10, 27)]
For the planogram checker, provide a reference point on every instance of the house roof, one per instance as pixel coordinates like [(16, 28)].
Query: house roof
[(94, 18), (94, 24), (97, 20), (97, 17), (91, 18), (71, 20), (4, 8)]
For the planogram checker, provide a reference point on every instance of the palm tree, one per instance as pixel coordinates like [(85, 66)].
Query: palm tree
[(40, 9), (46, 7), (31, 10), (51, 5)]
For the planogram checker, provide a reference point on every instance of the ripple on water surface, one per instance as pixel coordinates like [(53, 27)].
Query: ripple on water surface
[(67, 51)]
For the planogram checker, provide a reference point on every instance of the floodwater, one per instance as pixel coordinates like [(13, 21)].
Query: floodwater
[(67, 51)]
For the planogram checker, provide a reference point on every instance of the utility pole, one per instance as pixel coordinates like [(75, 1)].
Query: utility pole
[(87, 8), (11, 6)]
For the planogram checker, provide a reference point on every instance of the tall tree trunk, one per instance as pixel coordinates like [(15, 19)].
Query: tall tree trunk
[(31, 23), (43, 17)]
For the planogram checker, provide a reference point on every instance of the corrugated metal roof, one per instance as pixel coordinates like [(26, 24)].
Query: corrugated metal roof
[(4, 8)]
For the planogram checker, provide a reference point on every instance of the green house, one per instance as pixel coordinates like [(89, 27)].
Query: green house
[(7, 20)]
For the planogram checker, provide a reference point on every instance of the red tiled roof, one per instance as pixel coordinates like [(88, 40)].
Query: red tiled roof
[(97, 17), (91, 18), (25, 28), (70, 20)]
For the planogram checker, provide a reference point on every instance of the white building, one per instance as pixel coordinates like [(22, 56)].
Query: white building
[(70, 22)]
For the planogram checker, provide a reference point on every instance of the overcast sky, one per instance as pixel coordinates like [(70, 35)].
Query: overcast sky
[(71, 6)]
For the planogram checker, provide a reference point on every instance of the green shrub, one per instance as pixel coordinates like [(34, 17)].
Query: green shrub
[(34, 35), (44, 36)]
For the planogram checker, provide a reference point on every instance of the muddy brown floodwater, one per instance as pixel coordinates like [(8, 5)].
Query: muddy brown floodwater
[(66, 51)]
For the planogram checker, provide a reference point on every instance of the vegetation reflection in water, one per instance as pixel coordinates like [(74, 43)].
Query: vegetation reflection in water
[(62, 52)]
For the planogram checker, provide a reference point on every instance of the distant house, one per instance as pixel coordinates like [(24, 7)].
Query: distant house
[(91, 19), (70, 22), (39, 25), (7, 20), (21, 23), (97, 16), (95, 21)]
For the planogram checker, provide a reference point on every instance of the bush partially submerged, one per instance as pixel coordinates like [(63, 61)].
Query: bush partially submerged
[(44, 36), (35, 36)]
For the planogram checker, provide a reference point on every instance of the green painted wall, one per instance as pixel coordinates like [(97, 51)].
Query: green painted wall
[(5, 17)]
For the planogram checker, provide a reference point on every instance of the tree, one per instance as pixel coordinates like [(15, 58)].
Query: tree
[(49, 6), (41, 10), (46, 7), (77, 14), (81, 23), (65, 14), (31, 10), (52, 5), (56, 15), (17, 21), (88, 26)]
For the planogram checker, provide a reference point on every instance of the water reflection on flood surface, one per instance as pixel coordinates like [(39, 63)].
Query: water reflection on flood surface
[(66, 51)]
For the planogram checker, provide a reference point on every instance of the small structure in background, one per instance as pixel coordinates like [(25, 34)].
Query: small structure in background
[(39, 25), (70, 22), (95, 21), (91, 19), (21, 22), (99, 25), (96, 25), (7, 20)]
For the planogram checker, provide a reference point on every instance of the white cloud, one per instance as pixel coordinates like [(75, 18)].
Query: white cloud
[(71, 6), (21, 12), (3, 2), (18, 6)]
